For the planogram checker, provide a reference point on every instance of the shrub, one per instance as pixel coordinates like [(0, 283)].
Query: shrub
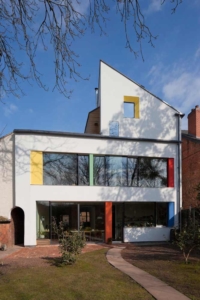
[(70, 244)]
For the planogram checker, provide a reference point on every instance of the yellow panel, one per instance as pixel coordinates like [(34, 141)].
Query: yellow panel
[(36, 167), (136, 101)]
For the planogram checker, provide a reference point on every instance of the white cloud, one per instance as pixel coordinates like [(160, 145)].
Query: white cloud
[(179, 85), (154, 6), (81, 6), (9, 109), (197, 54), (183, 90)]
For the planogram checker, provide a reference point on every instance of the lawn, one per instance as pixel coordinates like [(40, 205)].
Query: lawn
[(90, 278), (167, 263)]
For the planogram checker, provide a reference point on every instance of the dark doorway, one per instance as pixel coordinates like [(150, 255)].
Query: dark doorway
[(117, 221), (18, 222)]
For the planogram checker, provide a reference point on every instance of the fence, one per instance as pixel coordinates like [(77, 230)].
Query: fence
[(190, 215)]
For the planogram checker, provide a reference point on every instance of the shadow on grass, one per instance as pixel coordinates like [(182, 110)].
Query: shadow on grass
[(54, 261), (155, 252)]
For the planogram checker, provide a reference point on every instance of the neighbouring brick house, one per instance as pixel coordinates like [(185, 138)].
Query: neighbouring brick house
[(191, 159)]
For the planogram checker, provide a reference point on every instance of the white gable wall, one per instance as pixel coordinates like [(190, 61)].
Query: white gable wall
[(157, 119)]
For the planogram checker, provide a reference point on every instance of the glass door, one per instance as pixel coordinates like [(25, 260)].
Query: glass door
[(92, 221), (117, 227), (66, 213)]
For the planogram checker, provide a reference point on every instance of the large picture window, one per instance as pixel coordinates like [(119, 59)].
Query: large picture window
[(152, 172), (116, 171), (65, 169), (147, 214), (130, 171)]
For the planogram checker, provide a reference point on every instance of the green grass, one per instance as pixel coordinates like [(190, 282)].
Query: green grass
[(90, 278), (183, 277)]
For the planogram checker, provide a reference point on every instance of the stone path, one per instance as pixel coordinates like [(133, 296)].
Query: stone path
[(157, 288)]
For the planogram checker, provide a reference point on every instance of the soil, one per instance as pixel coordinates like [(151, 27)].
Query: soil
[(136, 253), (37, 256), (167, 263)]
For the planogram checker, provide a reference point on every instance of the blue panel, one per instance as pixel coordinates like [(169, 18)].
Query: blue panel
[(170, 221)]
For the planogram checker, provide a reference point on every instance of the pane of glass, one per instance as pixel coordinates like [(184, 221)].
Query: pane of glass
[(99, 170), (114, 129), (116, 171), (129, 110), (132, 172), (66, 213), (139, 214), (60, 169), (152, 172), (92, 221), (42, 220), (161, 212), (83, 170), (117, 221)]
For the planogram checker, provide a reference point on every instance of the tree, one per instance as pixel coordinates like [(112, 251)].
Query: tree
[(188, 237), (25, 25)]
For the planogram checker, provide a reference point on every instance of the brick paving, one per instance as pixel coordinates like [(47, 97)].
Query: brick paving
[(17, 252)]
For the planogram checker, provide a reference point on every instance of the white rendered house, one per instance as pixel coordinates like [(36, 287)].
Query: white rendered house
[(119, 180)]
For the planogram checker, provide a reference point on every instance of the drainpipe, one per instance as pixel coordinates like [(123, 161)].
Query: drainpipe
[(179, 202)]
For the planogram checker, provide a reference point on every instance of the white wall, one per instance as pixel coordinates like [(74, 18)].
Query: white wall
[(157, 120), (6, 176), (27, 195), (146, 234)]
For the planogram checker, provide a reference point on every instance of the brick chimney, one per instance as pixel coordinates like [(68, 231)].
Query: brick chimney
[(194, 122)]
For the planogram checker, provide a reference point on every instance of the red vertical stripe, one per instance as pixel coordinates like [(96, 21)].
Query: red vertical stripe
[(170, 172), (108, 221)]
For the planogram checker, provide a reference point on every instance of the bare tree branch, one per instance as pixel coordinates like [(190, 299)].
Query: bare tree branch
[(27, 25)]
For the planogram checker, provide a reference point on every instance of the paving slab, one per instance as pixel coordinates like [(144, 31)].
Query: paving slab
[(157, 288)]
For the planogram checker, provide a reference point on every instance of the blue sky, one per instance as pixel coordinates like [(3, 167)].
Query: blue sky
[(171, 70)]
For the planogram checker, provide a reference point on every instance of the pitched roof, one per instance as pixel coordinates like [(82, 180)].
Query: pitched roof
[(142, 87), (189, 136)]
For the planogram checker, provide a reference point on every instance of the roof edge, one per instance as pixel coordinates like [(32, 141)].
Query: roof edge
[(92, 136), (142, 87), (6, 135)]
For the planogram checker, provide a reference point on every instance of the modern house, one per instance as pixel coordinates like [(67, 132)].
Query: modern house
[(191, 159), (118, 180)]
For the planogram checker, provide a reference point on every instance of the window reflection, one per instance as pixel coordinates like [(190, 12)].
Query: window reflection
[(152, 172), (65, 169), (130, 171), (149, 214), (99, 170), (116, 171)]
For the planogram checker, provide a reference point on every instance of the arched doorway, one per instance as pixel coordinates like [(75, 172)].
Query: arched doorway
[(18, 224)]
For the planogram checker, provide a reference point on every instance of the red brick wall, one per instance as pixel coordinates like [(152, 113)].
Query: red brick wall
[(194, 121), (6, 234), (190, 171)]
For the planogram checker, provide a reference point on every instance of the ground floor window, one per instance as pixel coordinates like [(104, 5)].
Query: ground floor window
[(147, 214), (86, 217), (89, 218)]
